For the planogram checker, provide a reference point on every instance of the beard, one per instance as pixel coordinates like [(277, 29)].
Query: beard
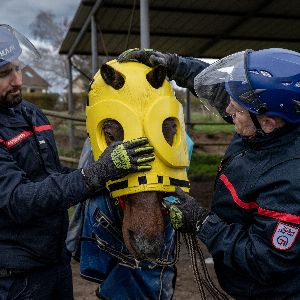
[(10, 99)]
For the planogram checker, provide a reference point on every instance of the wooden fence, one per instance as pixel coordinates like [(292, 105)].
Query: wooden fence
[(190, 126)]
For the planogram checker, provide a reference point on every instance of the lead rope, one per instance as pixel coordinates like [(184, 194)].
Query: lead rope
[(193, 257), (194, 249), (164, 262)]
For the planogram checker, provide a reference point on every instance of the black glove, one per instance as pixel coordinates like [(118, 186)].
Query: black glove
[(118, 160), (151, 58), (185, 212)]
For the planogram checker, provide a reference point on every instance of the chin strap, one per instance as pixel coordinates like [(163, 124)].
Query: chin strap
[(259, 131)]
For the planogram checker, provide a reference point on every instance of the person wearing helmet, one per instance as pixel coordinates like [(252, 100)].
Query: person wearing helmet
[(36, 191), (252, 228)]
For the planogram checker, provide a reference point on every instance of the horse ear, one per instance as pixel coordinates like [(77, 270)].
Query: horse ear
[(112, 77), (157, 76)]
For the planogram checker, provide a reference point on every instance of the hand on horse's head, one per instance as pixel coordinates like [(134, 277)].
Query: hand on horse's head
[(151, 58), (186, 214), (117, 161)]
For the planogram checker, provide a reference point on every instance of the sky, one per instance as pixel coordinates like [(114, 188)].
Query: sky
[(21, 13)]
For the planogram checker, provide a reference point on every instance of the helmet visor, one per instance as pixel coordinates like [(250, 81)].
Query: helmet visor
[(227, 78), (16, 48)]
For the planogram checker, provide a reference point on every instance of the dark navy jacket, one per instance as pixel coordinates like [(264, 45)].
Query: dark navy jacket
[(252, 232), (34, 191)]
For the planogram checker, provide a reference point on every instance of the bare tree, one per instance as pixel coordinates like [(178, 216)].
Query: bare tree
[(50, 31)]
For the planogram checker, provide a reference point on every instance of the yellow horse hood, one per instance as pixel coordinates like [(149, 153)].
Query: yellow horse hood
[(140, 100)]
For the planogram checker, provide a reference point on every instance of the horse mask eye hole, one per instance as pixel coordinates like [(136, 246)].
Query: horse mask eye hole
[(113, 131), (169, 129)]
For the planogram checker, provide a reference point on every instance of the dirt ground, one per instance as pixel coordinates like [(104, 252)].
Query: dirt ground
[(186, 287)]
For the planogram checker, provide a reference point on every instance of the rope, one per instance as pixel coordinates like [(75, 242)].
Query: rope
[(128, 259), (88, 77), (163, 262), (193, 256), (130, 24), (202, 282), (102, 40)]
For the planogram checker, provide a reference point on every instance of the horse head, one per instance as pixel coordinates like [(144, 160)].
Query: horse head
[(127, 101)]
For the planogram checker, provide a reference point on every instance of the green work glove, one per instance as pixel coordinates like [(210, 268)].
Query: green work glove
[(117, 161), (185, 212), (151, 58)]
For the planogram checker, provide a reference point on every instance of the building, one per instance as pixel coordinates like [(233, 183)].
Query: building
[(80, 85), (33, 82)]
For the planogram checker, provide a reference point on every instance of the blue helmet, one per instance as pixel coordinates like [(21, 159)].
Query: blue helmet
[(263, 82)]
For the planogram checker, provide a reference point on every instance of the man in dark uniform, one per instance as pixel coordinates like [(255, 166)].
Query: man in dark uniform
[(36, 191), (252, 228)]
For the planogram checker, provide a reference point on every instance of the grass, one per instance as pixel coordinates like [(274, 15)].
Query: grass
[(214, 129), (204, 164), (215, 124)]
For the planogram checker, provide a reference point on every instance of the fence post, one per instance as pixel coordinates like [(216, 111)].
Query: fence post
[(71, 105), (188, 112)]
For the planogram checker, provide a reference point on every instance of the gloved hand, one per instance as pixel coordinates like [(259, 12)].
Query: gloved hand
[(185, 212), (118, 160), (151, 58)]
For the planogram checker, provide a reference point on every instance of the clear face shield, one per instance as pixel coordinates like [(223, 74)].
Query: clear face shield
[(15, 48), (227, 78)]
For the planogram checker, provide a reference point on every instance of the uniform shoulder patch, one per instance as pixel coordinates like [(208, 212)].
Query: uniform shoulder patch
[(284, 236)]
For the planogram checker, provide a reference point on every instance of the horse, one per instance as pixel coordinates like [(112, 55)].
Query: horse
[(143, 224), (126, 101)]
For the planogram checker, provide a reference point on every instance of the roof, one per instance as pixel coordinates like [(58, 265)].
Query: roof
[(33, 79), (197, 28)]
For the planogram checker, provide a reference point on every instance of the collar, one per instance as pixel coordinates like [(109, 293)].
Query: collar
[(279, 136), (12, 117)]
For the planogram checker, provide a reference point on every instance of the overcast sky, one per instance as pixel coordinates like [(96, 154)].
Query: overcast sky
[(21, 13)]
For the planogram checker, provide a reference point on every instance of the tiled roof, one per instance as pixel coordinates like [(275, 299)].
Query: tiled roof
[(32, 79)]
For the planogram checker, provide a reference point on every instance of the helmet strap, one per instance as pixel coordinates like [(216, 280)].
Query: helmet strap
[(259, 130)]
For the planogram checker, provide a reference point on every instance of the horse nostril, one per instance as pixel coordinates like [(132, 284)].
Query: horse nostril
[(145, 247), (131, 234)]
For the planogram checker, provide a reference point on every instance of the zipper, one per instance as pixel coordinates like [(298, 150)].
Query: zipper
[(225, 163)]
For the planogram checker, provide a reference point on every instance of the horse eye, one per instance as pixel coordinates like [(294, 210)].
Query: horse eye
[(110, 137), (113, 131), (169, 129)]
